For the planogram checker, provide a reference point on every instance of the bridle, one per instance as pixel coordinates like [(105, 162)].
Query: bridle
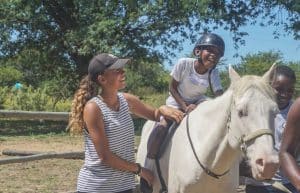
[(243, 143)]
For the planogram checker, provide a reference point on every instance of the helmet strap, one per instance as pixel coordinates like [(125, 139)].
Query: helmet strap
[(198, 56), (199, 59)]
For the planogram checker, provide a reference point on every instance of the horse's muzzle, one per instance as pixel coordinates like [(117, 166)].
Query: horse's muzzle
[(265, 167)]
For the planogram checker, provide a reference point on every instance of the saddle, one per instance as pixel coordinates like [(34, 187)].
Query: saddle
[(159, 139), (156, 146)]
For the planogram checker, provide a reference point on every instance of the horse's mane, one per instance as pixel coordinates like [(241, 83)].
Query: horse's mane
[(250, 81)]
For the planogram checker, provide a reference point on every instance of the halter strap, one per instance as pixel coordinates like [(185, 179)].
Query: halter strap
[(255, 134), (207, 171), (244, 139)]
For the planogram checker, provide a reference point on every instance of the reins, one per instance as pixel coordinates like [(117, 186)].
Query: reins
[(207, 171)]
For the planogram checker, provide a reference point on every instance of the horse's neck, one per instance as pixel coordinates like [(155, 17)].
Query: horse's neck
[(210, 127)]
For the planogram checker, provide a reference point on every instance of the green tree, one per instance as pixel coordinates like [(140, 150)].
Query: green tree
[(296, 67), (254, 64), (258, 63), (42, 36)]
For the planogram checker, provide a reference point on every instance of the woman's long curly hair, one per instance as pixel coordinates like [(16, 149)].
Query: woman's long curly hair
[(87, 90)]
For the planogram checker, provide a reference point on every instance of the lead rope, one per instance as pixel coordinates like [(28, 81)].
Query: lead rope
[(209, 80), (207, 171)]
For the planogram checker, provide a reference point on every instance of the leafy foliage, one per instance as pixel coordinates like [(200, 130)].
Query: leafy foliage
[(45, 37), (150, 75), (258, 63), (3, 94), (296, 67), (9, 75), (27, 98)]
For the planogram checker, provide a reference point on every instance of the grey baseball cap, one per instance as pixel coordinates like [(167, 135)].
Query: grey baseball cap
[(104, 61)]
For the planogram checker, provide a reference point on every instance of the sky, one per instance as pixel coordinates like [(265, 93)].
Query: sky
[(260, 39)]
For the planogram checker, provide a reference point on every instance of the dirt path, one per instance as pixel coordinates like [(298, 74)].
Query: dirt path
[(51, 175)]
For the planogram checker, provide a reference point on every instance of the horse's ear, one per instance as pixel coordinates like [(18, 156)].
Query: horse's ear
[(234, 76), (268, 75)]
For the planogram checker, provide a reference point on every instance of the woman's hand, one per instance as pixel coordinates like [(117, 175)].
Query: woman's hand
[(171, 113)]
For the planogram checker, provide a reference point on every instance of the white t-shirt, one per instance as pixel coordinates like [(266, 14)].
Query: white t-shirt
[(192, 86)]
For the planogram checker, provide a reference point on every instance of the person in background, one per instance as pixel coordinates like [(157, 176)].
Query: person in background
[(18, 86), (289, 151), (283, 82), (104, 119)]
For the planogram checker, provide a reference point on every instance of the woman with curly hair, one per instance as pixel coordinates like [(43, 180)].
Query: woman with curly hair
[(108, 128)]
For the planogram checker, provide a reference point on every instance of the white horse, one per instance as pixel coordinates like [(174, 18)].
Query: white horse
[(203, 155)]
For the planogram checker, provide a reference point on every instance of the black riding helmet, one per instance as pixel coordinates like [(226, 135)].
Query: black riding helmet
[(211, 39)]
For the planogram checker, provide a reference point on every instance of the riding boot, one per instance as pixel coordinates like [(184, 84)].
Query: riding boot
[(155, 140), (144, 186)]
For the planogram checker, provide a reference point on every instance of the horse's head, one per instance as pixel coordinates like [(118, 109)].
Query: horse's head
[(251, 124)]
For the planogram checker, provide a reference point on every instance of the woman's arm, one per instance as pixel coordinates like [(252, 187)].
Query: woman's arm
[(289, 145), (141, 109), (93, 119)]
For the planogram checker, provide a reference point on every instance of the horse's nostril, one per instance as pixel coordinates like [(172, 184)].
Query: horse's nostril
[(260, 162)]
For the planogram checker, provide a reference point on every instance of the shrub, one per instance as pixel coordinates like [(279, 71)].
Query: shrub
[(9, 75), (63, 106), (4, 92), (28, 99)]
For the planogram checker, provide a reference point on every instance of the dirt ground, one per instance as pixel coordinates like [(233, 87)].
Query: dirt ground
[(48, 175)]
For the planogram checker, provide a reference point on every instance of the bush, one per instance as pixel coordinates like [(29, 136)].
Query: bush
[(4, 91), (28, 99), (63, 106), (151, 96), (155, 99), (9, 76)]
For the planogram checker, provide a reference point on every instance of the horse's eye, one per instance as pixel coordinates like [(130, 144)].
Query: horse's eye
[(242, 113)]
